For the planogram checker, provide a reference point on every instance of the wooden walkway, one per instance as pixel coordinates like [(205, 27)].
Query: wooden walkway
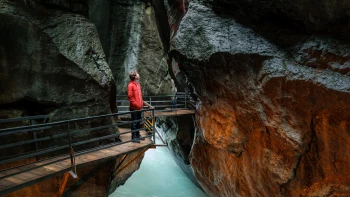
[(19, 177), (35, 172)]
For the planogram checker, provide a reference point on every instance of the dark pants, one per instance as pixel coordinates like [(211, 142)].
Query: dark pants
[(136, 115)]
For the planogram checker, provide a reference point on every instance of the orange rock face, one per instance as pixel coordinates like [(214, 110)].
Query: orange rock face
[(273, 102), (289, 139)]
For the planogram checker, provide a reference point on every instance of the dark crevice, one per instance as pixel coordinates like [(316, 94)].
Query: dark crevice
[(284, 187), (72, 6), (272, 21), (30, 107), (187, 66), (161, 17), (163, 26)]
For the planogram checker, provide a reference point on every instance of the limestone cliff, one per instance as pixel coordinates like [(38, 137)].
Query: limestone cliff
[(274, 91)]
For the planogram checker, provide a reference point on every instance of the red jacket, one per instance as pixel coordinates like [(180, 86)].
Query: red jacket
[(135, 95)]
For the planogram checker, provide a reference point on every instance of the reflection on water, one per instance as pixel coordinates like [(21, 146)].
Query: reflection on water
[(158, 176)]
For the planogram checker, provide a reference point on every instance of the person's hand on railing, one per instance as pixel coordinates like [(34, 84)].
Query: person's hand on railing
[(147, 105)]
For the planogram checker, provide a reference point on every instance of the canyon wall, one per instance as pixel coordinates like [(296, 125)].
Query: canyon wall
[(273, 86), (270, 81), (52, 63), (130, 39), (70, 59)]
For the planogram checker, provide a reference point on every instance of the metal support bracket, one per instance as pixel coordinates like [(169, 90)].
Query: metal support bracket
[(129, 162)]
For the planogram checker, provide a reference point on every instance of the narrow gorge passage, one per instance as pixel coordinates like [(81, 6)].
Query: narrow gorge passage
[(269, 83)]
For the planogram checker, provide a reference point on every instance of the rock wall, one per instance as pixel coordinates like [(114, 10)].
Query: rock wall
[(54, 61), (129, 35), (273, 98), (69, 59), (270, 80)]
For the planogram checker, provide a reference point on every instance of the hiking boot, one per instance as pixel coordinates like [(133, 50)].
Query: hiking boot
[(139, 136), (134, 138)]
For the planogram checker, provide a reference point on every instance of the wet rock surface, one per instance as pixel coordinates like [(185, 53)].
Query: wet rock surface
[(57, 63), (52, 62), (129, 35), (271, 117)]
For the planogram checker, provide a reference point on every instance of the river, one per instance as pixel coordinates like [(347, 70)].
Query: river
[(158, 176)]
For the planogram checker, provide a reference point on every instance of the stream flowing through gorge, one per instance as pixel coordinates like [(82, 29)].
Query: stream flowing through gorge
[(158, 176)]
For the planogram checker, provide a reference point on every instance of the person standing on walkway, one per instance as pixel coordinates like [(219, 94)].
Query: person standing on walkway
[(136, 103)]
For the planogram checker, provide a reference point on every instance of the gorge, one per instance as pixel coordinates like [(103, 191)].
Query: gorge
[(269, 80)]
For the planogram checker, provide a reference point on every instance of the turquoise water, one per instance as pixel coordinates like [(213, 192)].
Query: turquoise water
[(158, 176)]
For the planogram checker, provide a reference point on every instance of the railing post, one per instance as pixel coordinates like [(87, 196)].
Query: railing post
[(34, 136), (71, 151), (154, 126), (175, 102), (69, 135)]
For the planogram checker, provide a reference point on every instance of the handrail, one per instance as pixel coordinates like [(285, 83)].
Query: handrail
[(66, 132), (148, 105), (174, 102), (23, 118), (71, 120)]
